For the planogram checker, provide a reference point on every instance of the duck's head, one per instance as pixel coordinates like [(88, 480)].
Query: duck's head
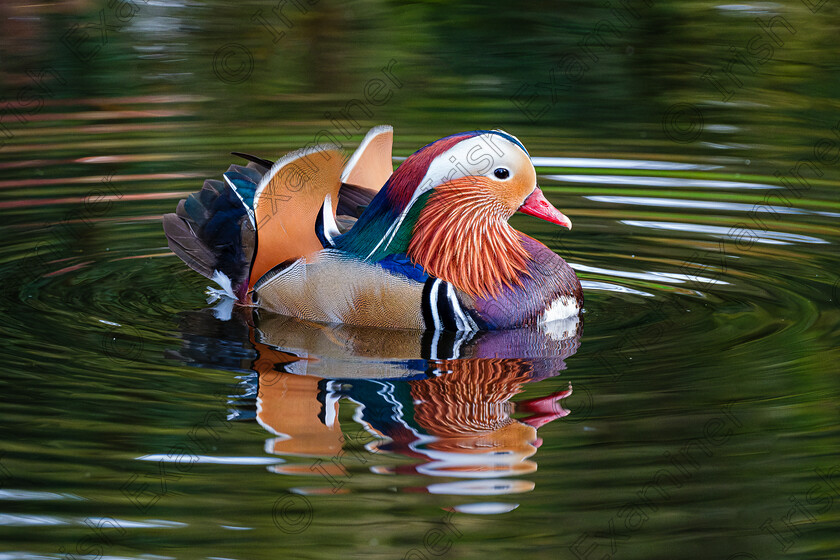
[(492, 164), (447, 207)]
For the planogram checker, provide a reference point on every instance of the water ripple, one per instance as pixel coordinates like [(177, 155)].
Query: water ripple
[(767, 237), (608, 287), (608, 163), (667, 277), (703, 205), (208, 460), (658, 181), (30, 495)]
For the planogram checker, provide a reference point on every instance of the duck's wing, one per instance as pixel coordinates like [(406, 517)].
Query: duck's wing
[(314, 196), (292, 198)]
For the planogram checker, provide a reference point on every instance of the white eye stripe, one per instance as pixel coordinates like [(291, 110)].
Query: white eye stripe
[(474, 156)]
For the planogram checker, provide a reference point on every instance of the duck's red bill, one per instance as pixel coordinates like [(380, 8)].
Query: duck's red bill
[(537, 205)]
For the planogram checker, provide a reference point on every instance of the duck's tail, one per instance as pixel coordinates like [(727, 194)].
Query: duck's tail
[(213, 231)]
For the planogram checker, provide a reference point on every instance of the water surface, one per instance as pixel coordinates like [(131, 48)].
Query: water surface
[(691, 413)]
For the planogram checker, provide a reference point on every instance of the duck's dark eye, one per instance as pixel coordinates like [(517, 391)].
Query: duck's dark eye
[(501, 173)]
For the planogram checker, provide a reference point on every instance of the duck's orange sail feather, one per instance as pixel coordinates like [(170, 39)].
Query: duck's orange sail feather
[(287, 202), (371, 164)]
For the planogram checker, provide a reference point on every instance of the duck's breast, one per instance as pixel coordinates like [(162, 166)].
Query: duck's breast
[(549, 292)]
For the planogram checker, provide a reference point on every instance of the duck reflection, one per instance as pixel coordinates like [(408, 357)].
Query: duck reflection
[(429, 404)]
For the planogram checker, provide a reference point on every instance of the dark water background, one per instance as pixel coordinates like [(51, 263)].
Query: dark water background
[(694, 145)]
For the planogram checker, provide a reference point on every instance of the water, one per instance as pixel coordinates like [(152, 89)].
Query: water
[(691, 413)]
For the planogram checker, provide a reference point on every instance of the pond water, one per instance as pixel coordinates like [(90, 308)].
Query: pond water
[(690, 413)]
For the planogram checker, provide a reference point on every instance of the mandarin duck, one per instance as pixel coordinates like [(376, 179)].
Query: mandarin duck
[(425, 246)]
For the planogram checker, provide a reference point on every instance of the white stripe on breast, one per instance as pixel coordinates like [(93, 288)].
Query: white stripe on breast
[(433, 300), (464, 321)]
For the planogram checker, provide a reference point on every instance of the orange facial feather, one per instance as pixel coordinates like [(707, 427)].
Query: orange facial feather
[(462, 237)]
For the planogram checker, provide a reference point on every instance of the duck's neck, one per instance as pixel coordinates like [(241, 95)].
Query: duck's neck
[(381, 230), (462, 237)]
